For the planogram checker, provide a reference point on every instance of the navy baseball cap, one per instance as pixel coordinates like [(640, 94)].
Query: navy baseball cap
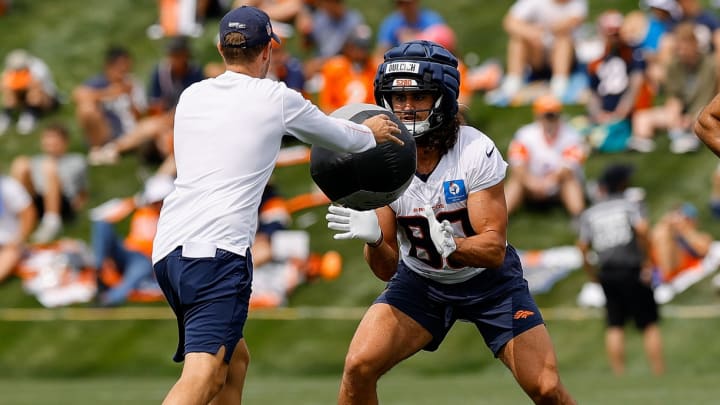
[(249, 21)]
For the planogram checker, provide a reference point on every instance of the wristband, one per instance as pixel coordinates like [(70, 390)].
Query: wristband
[(377, 243)]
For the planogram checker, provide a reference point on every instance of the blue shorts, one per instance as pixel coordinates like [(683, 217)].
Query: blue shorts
[(436, 306), (210, 298)]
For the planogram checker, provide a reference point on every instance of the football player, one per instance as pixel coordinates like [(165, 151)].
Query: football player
[(442, 245)]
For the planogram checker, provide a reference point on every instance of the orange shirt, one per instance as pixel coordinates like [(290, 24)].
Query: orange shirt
[(143, 226), (343, 84)]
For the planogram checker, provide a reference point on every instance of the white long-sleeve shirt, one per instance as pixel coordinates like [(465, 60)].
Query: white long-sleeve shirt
[(228, 133)]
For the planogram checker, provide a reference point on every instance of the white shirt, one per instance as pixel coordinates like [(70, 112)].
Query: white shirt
[(541, 155), (13, 199), (228, 132), (473, 164), (548, 12)]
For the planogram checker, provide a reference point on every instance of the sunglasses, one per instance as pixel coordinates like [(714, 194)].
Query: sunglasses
[(551, 116)]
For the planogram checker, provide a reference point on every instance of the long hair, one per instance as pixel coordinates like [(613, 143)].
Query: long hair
[(443, 138)]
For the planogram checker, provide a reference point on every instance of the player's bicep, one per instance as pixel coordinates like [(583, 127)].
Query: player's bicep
[(487, 211)]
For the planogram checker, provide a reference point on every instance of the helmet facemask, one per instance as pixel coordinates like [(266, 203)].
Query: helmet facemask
[(409, 118)]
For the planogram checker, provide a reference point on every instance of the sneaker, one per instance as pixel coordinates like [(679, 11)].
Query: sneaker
[(684, 144), (103, 155), (4, 123), (26, 123), (48, 229), (642, 145)]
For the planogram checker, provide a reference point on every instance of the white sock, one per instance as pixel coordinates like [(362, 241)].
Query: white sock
[(511, 84), (52, 219), (558, 86)]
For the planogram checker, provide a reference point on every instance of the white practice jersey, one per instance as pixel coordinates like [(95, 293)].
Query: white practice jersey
[(541, 155), (473, 164), (228, 133)]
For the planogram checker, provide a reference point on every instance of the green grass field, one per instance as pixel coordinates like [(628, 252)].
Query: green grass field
[(47, 357)]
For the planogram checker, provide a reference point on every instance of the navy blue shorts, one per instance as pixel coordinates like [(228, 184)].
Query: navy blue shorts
[(436, 306), (210, 298)]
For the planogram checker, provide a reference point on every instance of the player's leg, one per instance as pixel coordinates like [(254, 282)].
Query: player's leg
[(202, 377), (615, 347), (653, 348), (231, 392), (531, 359), (384, 337)]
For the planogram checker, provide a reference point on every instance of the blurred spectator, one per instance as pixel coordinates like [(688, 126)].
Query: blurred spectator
[(443, 35), (129, 257), (179, 17), (173, 74), (707, 25), (152, 135), (692, 81), (348, 78), (614, 242), (332, 24), (17, 220), (404, 24), (618, 87), (677, 242), (541, 39), (27, 89), (56, 179), (286, 68), (281, 257), (279, 11), (650, 32), (109, 104), (546, 160)]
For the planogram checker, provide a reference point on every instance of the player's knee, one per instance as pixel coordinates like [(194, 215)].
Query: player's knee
[(548, 389), (360, 368)]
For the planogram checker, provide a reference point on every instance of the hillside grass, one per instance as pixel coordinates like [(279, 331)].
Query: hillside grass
[(299, 362)]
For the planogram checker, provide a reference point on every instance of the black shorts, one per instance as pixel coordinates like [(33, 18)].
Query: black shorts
[(629, 299), (210, 297), (66, 210), (436, 306)]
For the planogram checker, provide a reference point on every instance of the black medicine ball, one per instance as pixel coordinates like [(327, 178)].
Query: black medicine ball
[(369, 179)]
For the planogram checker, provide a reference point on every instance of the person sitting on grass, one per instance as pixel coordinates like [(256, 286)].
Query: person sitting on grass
[(56, 179), (130, 258), (546, 160), (677, 242), (17, 220)]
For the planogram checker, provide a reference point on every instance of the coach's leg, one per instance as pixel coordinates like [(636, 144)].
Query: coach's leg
[(531, 358), (384, 337), (202, 377), (231, 392)]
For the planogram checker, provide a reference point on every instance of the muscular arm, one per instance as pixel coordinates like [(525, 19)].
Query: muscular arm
[(488, 217), (383, 259), (707, 126)]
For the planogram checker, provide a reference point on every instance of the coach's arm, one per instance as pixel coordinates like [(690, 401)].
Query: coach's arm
[(707, 125)]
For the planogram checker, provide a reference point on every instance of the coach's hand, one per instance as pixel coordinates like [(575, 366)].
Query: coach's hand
[(383, 129), (354, 224), (440, 233)]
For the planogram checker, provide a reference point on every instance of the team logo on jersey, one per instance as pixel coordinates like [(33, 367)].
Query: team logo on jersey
[(454, 191)]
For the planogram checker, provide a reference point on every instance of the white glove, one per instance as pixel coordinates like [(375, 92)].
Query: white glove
[(440, 233), (354, 224)]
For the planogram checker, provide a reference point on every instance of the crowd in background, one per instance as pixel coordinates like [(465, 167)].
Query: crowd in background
[(640, 75)]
